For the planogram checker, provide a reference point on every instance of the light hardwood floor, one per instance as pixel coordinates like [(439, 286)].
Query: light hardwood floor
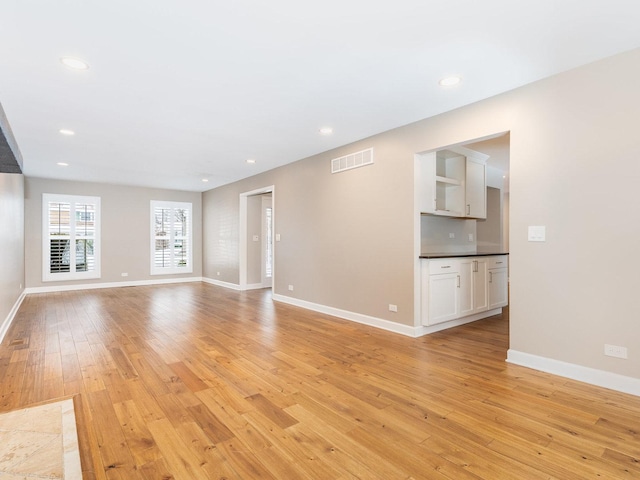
[(192, 381)]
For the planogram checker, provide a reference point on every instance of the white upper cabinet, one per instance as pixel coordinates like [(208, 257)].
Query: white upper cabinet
[(476, 190), (452, 183)]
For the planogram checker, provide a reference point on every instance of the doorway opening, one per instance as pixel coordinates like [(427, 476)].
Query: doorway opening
[(446, 229), (257, 253)]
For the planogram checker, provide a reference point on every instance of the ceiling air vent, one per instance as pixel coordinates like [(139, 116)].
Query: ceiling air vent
[(354, 160)]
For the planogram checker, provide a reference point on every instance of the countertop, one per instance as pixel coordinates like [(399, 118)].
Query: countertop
[(458, 255)]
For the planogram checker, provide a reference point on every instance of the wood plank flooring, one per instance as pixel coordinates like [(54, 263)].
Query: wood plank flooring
[(192, 381)]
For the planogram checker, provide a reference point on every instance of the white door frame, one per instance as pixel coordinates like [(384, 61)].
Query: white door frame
[(267, 203), (242, 260)]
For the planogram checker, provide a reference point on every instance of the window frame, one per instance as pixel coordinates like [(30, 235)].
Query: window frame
[(72, 200), (171, 269)]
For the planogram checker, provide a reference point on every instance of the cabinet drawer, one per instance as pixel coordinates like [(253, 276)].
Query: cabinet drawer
[(448, 265), (501, 261)]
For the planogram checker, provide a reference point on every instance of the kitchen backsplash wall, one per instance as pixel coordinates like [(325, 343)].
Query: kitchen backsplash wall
[(447, 235), (452, 235)]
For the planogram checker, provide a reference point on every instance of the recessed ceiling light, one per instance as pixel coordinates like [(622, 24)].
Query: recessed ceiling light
[(250, 160), (326, 131), (62, 164), (450, 81), (66, 131), (205, 180), (74, 63)]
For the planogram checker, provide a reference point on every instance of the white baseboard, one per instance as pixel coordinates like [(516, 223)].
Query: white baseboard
[(91, 286), (426, 330), (601, 378), (347, 315), (235, 286), (220, 283), (408, 330), (4, 328)]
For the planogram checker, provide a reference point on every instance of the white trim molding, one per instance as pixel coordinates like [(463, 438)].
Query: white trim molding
[(242, 231), (600, 378), (426, 330), (220, 283), (376, 322), (347, 315), (92, 286), (4, 328)]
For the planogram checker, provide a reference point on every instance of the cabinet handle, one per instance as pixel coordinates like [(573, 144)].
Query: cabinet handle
[(446, 266), (458, 277), (490, 277), (475, 266), (468, 209), (498, 263)]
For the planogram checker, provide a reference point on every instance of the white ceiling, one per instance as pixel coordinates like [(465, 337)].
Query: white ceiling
[(181, 90)]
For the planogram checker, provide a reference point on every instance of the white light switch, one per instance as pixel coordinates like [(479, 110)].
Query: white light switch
[(277, 237), (537, 233)]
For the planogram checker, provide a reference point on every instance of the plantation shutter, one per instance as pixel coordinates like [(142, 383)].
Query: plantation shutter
[(71, 237), (171, 237)]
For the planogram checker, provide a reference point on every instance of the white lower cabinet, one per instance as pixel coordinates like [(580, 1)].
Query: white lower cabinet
[(473, 285), (441, 280), (445, 288), (498, 282), (459, 287)]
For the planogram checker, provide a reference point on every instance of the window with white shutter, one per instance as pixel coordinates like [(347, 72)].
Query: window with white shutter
[(71, 237), (171, 238)]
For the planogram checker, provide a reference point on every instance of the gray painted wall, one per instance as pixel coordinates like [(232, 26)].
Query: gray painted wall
[(125, 229), (12, 240), (348, 239), (489, 231), (321, 219)]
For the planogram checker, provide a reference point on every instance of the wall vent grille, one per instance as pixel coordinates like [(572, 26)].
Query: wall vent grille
[(353, 160)]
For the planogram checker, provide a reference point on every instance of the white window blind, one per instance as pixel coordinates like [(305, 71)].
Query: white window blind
[(171, 238), (71, 237)]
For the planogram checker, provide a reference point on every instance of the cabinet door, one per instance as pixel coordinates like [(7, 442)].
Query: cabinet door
[(473, 286), (498, 288), (443, 297), (466, 294), (480, 294), (476, 190), (427, 182)]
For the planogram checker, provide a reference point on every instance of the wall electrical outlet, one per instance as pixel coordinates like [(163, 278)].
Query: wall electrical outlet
[(218, 273), (452, 235), (393, 308), (124, 274), (291, 288), (615, 351), (471, 237)]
